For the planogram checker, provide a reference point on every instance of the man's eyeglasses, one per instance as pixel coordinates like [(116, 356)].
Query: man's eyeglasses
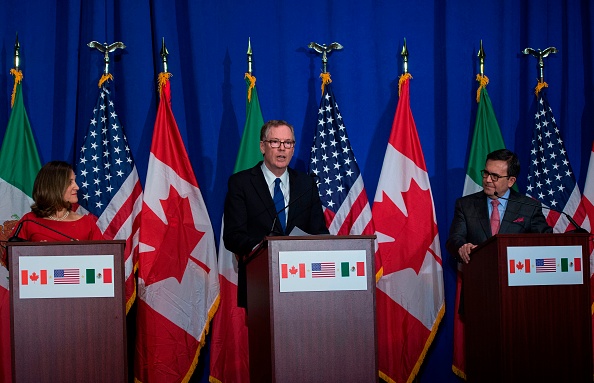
[(494, 177), (277, 143)]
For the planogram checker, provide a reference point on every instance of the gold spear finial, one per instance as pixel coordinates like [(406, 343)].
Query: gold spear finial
[(404, 55), (17, 48), (481, 55), (249, 56), (164, 54)]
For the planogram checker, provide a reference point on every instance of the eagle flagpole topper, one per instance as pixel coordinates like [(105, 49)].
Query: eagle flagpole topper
[(106, 50)]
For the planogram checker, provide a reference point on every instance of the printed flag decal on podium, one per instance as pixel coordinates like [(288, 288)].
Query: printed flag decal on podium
[(178, 279)]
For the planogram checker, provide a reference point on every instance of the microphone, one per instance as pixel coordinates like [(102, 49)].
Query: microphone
[(578, 228), (272, 230), (16, 238)]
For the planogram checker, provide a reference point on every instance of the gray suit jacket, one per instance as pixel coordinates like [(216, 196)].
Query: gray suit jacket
[(471, 219)]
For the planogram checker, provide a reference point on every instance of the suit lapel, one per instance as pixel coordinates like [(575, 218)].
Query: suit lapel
[(261, 188), (483, 214)]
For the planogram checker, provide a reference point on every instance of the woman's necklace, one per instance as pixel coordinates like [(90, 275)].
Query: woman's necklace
[(55, 218)]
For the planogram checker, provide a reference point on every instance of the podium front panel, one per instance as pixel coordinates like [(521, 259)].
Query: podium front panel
[(526, 333), (315, 335), (77, 339)]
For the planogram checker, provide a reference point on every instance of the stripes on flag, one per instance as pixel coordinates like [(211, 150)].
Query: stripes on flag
[(339, 181), (109, 184), (66, 277), (550, 177), (323, 270)]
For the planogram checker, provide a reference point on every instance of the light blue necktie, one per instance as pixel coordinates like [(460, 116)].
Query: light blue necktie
[(279, 203)]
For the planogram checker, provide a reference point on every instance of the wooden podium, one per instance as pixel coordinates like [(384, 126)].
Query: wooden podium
[(67, 310), (533, 332), (322, 335)]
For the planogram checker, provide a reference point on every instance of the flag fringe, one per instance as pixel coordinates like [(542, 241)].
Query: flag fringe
[(458, 372), (18, 77), (428, 342), (402, 79), (483, 81), (252, 85), (162, 79), (325, 80), (539, 86), (379, 274), (211, 313), (132, 297)]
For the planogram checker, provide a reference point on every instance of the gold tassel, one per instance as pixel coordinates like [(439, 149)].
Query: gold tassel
[(325, 80), (483, 81), (402, 79), (18, 77), (105, 77), (163, 77), (252, 85), (539, 86)]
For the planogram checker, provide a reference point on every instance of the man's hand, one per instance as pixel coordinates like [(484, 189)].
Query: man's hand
[(464, 252)]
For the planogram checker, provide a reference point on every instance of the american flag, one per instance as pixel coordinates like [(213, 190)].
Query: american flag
[(345, 203), (550, 177), (109, 184), (546, 265), (66, 277), (323, 270)]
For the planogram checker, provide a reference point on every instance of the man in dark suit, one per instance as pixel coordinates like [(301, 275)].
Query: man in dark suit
[(481, 215), (250, 209)]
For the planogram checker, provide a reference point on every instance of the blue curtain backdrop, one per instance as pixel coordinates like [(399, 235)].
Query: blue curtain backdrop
[(207, 42)]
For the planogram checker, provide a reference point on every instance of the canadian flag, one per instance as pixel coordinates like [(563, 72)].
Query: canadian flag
[(410, 296), (178, 280)]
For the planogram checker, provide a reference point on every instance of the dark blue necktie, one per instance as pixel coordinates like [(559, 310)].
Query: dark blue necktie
[(279, 203)]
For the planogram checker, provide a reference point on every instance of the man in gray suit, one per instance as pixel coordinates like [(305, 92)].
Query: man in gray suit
[(496, 209)]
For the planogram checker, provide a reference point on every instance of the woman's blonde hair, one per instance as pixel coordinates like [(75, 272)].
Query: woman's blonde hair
[(49, 188)]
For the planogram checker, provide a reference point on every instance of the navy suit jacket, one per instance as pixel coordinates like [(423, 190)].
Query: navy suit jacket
[(250, 210), (250, 214), (471, 223)]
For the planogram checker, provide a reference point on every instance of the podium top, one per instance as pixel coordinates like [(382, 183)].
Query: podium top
[(62, 243), (317, 237)]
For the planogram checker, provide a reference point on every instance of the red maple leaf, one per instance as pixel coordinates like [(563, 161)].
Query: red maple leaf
[(173, 241), (34, 277), (293, 270), (412, 235), (520, 265)]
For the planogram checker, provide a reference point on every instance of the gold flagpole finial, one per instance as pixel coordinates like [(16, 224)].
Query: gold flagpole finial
[(249, 56), (17, 48), (481, 55), (404, 54), (540, 55), (325, 50), (106, 50), (164, 53)]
